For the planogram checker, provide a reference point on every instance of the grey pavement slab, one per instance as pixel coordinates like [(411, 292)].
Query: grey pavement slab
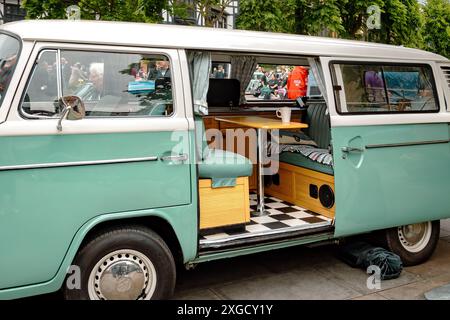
[(416, 290), (288, 286), (437, 265), (445, 224), (197, 294), (356, 278), (372, 296), (208, 274)]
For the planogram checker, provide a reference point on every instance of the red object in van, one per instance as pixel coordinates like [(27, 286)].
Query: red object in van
[(297, 83)]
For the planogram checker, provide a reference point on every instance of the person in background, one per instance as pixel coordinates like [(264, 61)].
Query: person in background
[(220, 72), (162, 70), (77, 76)]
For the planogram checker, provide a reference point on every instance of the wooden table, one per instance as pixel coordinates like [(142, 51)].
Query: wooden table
[(261, 125)]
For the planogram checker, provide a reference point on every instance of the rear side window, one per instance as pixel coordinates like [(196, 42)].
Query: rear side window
[(377, 88), (9, 53), (110, 84)]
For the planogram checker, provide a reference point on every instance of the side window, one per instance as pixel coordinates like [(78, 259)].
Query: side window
[(371, 88), (41, 97), (110, 84)]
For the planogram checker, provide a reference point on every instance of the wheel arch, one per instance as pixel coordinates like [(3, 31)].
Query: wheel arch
[(154, 220)]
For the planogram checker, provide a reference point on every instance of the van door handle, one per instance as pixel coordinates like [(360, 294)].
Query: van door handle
[(352, 149), (347, 150), (179, 157)]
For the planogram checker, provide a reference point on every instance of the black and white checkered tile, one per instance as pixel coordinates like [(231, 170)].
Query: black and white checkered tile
[(282, 215)]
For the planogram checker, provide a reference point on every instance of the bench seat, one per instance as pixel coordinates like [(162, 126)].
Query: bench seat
[(224, 164), (297, 159)]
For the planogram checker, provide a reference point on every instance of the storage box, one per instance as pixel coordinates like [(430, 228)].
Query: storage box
[(224, 206)]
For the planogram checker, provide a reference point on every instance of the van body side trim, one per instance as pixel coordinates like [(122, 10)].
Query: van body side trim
[(75, 164), (405, 144)]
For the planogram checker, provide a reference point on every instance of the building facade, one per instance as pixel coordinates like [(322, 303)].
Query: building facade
[(225, 19), (10, 10)]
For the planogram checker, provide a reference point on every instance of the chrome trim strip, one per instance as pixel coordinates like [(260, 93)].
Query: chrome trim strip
[(74, 164), (405, 144)]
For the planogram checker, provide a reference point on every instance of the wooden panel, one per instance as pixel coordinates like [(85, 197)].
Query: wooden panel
[(294, 188), (224, 206), (261, 122)]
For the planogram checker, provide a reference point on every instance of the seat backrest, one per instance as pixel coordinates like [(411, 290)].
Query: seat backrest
[(223, 93), (318, 119), (201, 143)]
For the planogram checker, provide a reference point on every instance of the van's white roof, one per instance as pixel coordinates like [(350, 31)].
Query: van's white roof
[(171, 36)]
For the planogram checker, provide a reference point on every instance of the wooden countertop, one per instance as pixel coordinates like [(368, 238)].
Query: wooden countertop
[(261, 122)]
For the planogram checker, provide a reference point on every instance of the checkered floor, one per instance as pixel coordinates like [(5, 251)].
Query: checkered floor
[(283, 217)]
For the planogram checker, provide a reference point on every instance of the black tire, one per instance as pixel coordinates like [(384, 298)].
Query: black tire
[(137, 238), (393, 239)]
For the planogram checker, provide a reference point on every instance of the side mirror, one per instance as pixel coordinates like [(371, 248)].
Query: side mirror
[(72, 109)]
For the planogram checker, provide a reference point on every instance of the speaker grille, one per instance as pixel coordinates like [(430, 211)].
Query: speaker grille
[(326, 196)]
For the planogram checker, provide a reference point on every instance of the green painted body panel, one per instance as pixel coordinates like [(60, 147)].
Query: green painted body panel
[(179, 217), (42, 210), (391, 186)]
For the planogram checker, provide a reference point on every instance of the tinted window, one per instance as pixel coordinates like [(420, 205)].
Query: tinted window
[(384, 88)]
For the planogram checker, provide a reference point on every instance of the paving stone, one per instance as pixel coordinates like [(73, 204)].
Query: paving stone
[(219, 272), (356, 278), (416, 291), (447, 239), (197, 294), (437, 265), (445, 224), (288, 286), (372, 296)]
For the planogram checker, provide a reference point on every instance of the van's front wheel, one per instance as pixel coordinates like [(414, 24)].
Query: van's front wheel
[(414, 243), (131, 263)]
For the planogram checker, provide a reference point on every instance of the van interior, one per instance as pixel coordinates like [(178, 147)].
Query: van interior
[(299, 194)]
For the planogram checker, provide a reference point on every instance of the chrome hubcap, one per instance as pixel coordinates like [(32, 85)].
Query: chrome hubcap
[(415, 237), (122, 275)]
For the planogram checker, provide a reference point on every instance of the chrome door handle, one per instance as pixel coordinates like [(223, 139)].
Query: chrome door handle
[(352, 149), (347, 150), (179, 157)]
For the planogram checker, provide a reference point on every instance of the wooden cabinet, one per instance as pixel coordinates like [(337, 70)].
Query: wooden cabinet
[(224, 206), (249, 148)]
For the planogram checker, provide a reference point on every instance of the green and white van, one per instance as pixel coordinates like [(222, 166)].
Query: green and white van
[(107, 180)]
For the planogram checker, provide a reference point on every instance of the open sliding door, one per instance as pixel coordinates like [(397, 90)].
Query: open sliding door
[(390, 139)]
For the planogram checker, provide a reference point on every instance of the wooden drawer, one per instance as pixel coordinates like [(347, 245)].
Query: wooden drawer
[(224, 206)]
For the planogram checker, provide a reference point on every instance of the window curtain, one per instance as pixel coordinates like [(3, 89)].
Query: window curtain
[(242, 69), (317, 71), (200, 68)]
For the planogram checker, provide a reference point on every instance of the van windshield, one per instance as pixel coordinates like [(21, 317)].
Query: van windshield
[(9, 52)]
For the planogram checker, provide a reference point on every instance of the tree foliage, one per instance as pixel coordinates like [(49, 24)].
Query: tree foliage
[(403, 22), (117, 10), (318, 17), (266, 15), (437, 26)]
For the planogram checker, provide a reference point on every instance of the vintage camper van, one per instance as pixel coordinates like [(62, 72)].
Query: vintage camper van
[(121, 156)]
